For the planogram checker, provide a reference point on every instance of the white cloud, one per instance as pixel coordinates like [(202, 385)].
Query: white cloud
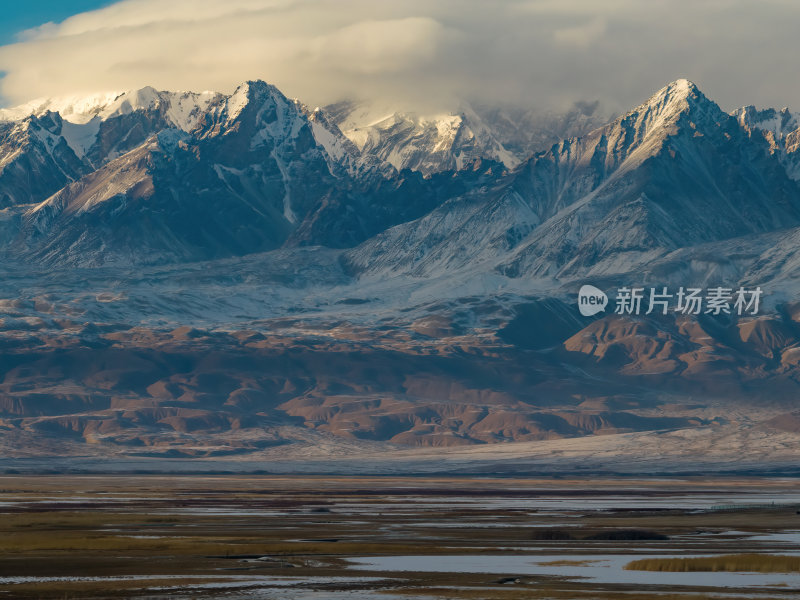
[(534, 52), (375, 47), (581, 35)]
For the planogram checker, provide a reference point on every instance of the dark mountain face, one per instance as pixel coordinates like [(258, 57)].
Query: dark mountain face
[(375, 204), (35, 161), (122, 133), (239, 183), (44, 152), (781, 130)]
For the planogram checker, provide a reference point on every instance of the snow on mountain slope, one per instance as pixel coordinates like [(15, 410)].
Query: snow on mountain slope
[(35, 160), (83, 117), (781, 128), (103, 127), (48, 144), (182, 108), (237, 184), (77, 109), (676, 171), (425, 143), (470, 231), (343, 155), (449, 140), (253, 152), (340, 150)]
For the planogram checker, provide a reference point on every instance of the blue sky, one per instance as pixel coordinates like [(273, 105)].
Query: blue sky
[(19, 16)]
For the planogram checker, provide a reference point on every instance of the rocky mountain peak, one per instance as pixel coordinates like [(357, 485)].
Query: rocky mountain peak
[(780, 128), (679, 106)]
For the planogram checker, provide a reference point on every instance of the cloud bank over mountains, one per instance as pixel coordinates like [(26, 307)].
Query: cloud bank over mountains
[(419, 53)]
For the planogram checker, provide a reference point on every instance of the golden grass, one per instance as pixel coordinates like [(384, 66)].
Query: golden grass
[(760, 563), (15, 544)]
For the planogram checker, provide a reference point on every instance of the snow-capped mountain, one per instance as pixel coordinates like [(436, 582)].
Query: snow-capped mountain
[(227, 175), (190, 271), (675, 172), (249, 172), (47, 144), (64, 139), (182, 108), (102, 127), (240, 180), (450, 140), (35, 160), (781, 128), (424, 143)]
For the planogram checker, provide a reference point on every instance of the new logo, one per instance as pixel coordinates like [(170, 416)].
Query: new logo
[(591, 300)]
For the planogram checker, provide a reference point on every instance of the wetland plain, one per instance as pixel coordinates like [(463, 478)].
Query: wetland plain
[(327, 537)]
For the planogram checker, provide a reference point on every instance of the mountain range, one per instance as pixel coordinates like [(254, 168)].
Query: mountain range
[(206, 275)]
